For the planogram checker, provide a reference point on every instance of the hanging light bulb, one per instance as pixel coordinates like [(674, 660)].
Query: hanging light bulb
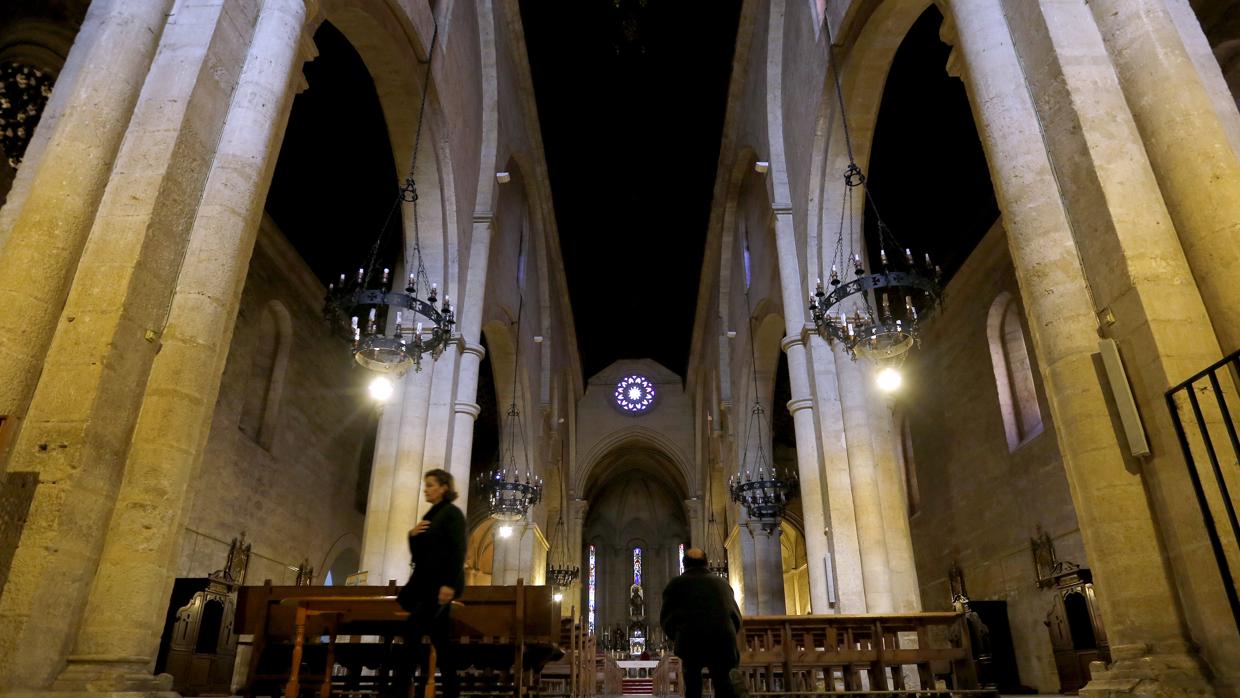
[(381, 389), (889, 379), (505, 531)]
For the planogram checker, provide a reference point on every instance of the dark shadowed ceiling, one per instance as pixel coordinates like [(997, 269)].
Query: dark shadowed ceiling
[(631, 97), (927, 172)]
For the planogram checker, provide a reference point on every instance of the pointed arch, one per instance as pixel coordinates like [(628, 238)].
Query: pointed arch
[(1013, 367), (260, 412)]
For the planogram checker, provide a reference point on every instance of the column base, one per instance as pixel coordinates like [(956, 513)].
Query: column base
[(1142, 672), (125, 677)]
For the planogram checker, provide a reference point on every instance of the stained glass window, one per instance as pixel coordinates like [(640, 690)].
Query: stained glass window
[(592, 580), (634, 394), (682, 558), (637, 566)]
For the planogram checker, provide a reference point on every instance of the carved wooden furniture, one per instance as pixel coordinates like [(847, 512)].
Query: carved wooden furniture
[(799, 655), (1075, 625), (572, 674), (507, 632)]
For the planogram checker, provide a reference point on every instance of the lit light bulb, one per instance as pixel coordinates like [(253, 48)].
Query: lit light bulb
[(889, 380), (558, 597), (505, 531), (381, 389)]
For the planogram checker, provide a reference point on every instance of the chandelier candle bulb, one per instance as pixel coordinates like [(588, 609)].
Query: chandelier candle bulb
[(361, 274), (419, 330), (882, 255), (385, 275)]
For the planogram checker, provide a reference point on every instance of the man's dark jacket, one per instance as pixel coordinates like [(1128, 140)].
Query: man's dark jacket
[(438, 556), (700, 616)]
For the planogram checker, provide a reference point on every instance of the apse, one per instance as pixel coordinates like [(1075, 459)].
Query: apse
[(636, 527)]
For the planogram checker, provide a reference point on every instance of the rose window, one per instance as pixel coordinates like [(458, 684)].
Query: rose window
[(634, 394)]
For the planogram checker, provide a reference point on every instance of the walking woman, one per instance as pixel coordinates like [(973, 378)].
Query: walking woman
[(437, 544)]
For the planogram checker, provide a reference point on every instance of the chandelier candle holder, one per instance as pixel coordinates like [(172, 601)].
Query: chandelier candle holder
[(511, 488), (875, 315), (391, 329), (561, 573), (361, 307), (759, 486)]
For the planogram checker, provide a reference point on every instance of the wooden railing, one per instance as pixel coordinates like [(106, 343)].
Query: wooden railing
[(871, 654), (668, 678), (572, 674)]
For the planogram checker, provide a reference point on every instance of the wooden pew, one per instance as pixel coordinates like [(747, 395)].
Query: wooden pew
[(512, 630), (853, 654)]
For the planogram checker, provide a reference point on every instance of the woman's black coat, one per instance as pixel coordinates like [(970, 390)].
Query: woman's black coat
[(438, 556), (700, 616)]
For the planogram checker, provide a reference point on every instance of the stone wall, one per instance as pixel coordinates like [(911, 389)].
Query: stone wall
[(979, 503), (292, 484)]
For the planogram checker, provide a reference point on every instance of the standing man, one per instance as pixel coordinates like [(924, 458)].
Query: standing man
[(701, 618)]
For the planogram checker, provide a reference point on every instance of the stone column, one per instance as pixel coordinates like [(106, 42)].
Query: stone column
[(125, 613), (84, 408), (1188, 146), (863, 470), (56, 194), (440, 413), (466, 416), (1160, 323), (576, 553), (406, 495), (1146, 633), (809, 468), (842, 539), (763, 565), (382, 478), (905, 592), (469, 320), (693, 507)]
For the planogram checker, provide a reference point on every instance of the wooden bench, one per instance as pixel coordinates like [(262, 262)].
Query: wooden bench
[(847, 654), (510, 631)]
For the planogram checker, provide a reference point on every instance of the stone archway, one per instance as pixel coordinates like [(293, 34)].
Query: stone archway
[(635, 494)]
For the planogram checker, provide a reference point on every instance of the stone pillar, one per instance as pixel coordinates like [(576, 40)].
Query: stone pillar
[(382, 477), (1148, 645), (1160, 323), (697, 537), (863, 470), (842, 542), (763, 565), (809, 469), (466, 415), (520, 555), (1188, 146), (84, 408), (406, 495), (576, 553), (125, 613), (56, 194), (905, 591), (440, 414)]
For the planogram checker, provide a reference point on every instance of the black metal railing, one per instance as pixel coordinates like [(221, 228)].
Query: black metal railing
[(1215, 433)]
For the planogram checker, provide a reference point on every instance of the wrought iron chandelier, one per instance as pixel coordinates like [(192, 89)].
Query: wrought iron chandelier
[(716, 552), (392, 328), (876, 314), (561, 573), (761, 487), (511, 488)]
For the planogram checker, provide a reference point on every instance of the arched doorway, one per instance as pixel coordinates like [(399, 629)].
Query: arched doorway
[(633, 534)]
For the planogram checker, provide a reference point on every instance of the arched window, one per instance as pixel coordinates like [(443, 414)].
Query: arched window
[(1009, 353), (591, 581), (265, 382)]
